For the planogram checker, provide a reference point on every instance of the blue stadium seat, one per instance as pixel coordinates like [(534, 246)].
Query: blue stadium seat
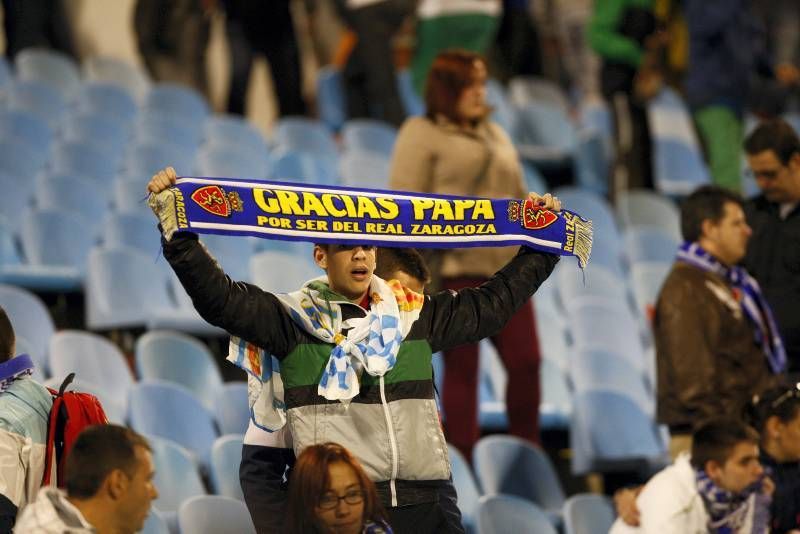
[(23, 346), (149, 157), (649, 243), (609, 432), (55, 245), (170, 411), (595, 281), (305, 135), (640, 207), (678, 168), (39, 99), (555, 405), (26, 127), (163, 126), (10, 256), (226, 455), (18, 193), (73, 194), (116, 410), (124, 288), (124, 75), (413, 104), (591, 206), (504, 113), (591, 165), (364, 169), (86, 160), (228, 161), (605, 324), (524, 90), (48, 66), (280, 272), (130, 196), (155, 523), (501, 514), (646, 281), (330, 97), (183, 317), (232, 252), (211, 514), (604, 370), (98, 128), (93, 359), (544, 135), (21, 160), (180, 359), (669, 118), (132, 230), (177, 99), (513, 466), (231, 408), (596, 118), (551, 331), (177, 478), (106, 98), (369, 135), (588, 513), (5, 74), (304, 167), (31, 320), (466, 488), (233, 130)]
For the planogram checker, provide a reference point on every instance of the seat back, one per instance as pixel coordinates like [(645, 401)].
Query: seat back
[(30, 318), (210, 514), (501, 514), (231, 408), (177, 477), (466, 488), (226, 455), (588, 514)]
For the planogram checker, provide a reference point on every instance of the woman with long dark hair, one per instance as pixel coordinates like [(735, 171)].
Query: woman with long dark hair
[(329, 493)]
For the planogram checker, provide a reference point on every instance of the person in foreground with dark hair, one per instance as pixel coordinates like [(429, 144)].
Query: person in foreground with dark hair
[(773, 254), (109, 487), (390, 421), (719, 488), (24, 408), (716, 342), (329, 492), (776, 415)]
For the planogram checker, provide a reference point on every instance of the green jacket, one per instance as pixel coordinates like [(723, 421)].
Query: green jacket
[(393, 425)]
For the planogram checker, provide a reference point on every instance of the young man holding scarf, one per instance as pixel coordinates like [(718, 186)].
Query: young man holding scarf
[(24, 409), (720, 488), (355, 354), (717, 344)]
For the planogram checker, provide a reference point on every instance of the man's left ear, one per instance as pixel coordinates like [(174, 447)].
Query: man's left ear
[(117, 484), (794, 162), (713, 470)]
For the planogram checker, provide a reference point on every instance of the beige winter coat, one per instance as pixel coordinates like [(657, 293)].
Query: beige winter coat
[(439, 157)]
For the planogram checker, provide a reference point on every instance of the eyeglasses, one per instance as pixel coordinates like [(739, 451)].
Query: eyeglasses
[(330, 501), (792, 393)]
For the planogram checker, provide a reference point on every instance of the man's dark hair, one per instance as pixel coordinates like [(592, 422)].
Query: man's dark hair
[(780, 402), (99, 450), (705, 203), (776, 135), (408, 260), (715, 440), (7, 337)]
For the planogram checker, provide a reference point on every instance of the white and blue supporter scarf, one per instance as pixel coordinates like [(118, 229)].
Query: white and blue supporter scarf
[(371, 343), (755, 306), (14, 369), (733, 513)]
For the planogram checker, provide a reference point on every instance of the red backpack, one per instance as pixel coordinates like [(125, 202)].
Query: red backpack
[(71, 412)]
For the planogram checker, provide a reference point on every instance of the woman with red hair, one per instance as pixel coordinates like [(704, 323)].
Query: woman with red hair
[(455, 149), (329, 492)]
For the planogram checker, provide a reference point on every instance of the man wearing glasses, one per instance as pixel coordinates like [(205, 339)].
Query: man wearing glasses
[(773, 253)]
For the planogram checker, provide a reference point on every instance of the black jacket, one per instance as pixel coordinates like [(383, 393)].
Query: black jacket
[(773, 259)]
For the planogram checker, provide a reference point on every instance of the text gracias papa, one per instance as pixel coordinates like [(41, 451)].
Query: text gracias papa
[(384, 209)]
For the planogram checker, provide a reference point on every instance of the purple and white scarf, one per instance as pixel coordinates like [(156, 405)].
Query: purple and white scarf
[(755, 306), (733, 513), (14, 369)]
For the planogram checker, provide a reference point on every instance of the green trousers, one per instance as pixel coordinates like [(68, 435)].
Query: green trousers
[(722, 132)]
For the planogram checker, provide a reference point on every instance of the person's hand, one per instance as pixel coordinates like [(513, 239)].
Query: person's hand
[(161, 180), (162, 201), (647, 84), (546, 202), (625, 504)]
